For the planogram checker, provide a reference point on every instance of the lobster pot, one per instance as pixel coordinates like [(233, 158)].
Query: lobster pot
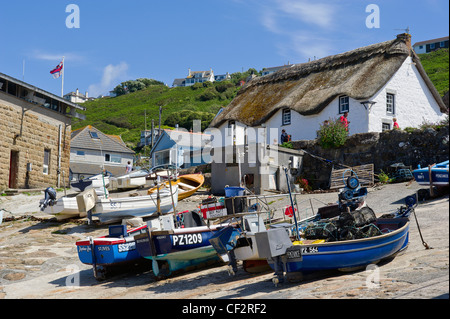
[(357, 218), (321, 230)]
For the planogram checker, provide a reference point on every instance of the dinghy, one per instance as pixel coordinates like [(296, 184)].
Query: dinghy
[(187, 185)]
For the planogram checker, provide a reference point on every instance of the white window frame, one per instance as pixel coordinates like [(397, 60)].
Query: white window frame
[(390, 105), (286, 117), (113, 158), (385, 126), (344, 104)]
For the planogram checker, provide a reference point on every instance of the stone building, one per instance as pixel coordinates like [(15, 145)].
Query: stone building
[(35, 128)]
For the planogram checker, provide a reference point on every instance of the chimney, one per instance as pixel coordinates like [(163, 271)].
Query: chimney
[(189, 74), (77, 92), (87, 95), (405, 37)]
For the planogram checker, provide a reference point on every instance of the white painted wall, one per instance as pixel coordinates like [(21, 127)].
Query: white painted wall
[(97, 157), (414, 103)]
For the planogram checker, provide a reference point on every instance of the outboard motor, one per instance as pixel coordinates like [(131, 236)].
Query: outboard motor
[(50, 198), (352, 194)]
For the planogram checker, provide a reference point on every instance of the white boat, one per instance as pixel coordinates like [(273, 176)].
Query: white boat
[(96, 181), (114, 209), (65, 207), (132, 180)]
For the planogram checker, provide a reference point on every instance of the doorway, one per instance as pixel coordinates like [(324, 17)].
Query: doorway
[(13, 169)]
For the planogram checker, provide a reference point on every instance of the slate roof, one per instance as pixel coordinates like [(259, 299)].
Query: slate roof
[(83, 139)]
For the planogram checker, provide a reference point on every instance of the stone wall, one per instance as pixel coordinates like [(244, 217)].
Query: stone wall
[(29, 133), (422, 147)]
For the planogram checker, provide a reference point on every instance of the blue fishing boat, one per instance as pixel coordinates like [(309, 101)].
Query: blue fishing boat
[(307, 256), (438, 172), (115, 249), (179, 248), (376, 240)]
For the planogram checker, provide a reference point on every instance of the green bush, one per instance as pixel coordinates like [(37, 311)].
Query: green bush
[(333, 134)]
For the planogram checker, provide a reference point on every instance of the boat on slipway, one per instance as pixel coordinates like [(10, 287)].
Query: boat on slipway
[(110, 209), (116, 249), (437, 172), (187, 185), (173, 249)]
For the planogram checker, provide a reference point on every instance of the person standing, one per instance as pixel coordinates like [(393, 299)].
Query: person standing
[(284, 136), (396, 126), (129, 168), (344, 120)]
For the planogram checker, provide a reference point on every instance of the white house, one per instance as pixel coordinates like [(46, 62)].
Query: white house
[(430, 45), (77, 97), (195, 77), (91, 151), (181, 148), (374, 84)]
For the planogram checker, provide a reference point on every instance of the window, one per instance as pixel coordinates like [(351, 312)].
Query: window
[(46, 165), (385, 126), (432, 46), (94, 135), (80, 153), (343, 104), (112, 158), (390, 103), (442, 44), (286, 117), (421, 47)]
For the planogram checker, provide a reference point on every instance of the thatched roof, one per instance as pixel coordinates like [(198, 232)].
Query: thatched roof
[(308, 88)]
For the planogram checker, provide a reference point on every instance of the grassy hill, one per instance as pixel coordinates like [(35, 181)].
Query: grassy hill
[(436, 66), (124, 115)]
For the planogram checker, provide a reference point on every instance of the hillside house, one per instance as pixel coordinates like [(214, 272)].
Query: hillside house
[(200, 77), (181, 148), (430, 45), (374, 84), (35, 139), (77, 97), (91, 151)]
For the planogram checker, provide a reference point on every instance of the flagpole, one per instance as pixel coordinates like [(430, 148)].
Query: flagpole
[(62, 81)]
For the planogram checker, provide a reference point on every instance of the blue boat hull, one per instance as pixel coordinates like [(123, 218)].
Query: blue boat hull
[(108, 255), (439, 175), (346, 254)]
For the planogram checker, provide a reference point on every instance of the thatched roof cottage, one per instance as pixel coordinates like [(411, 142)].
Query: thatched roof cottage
[(388, 75)]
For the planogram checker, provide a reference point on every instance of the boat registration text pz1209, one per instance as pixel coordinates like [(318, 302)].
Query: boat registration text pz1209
[(187, 239)]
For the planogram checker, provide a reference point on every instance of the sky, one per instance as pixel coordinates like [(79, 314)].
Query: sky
[(106, 42)]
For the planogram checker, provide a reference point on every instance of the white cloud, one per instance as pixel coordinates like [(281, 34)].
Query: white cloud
[(303, 26), (319, 14), (46, 56), (112, 76)]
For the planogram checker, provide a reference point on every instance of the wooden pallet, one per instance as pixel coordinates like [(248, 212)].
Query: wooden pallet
[(364, 172)]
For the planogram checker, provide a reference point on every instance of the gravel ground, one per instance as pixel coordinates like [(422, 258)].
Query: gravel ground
[(38, 260)]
